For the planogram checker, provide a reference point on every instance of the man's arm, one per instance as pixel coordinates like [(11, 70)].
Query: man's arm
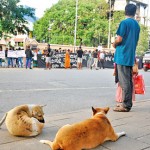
[(118, 40)]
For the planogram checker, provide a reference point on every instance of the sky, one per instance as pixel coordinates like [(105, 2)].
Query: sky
[(39, 5)]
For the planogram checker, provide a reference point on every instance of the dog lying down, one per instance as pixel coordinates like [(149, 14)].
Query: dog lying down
[(24, 120), (86, 134)]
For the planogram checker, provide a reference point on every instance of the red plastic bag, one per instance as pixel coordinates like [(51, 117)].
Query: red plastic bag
[(139, 85)]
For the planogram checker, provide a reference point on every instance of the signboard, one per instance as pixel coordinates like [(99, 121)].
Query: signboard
[(12, 54), (2, 54), (16, 54), (20, 53), (58, 60)]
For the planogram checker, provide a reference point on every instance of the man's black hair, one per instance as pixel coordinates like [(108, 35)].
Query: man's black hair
[(130, 10)]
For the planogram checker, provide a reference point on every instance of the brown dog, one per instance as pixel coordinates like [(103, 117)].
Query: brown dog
[(86, 134), (24, 120)]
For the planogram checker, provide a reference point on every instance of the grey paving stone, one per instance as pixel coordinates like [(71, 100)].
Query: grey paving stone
[(145, 139), (48, 134), (125, 143), (28, 144), (8, 138), (133, 131)]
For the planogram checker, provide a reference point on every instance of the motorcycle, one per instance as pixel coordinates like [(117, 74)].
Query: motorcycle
[(146, 60), (146, 65)]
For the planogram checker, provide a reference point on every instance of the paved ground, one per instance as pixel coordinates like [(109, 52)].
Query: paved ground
[(136, 124), (18, 86)]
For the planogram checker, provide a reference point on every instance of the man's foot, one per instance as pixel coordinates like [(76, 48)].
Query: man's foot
[(119, 104), (121, 109), (91, 67)]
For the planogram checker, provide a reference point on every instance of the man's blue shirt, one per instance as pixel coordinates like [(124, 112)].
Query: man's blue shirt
[(125, 52)]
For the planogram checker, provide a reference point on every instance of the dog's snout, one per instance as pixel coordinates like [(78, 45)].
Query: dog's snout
[(42, 121)]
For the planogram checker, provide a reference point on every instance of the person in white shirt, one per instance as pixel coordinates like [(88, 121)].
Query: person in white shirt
[(102, 59)]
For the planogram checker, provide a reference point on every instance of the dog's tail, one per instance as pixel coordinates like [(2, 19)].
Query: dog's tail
[(55, 147), (3, 119)]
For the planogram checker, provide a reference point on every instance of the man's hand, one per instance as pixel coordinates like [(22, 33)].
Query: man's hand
[(114, 45), (117, 41)]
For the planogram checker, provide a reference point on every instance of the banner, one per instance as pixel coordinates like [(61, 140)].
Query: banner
[(20, 53), (2, 54), (58, 60), (12, 54), (16, 54)]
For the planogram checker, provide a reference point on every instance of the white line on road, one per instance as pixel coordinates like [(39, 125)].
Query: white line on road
[(58, 89)]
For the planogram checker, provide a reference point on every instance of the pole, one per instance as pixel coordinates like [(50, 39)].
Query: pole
[(99, 38), (109, 24), (75, 30)]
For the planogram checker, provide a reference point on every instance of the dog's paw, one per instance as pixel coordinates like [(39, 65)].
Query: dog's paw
[(123, 133)]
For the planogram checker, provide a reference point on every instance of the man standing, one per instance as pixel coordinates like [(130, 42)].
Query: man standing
[(95, 56), (102, 59), (48, 57), (79, 56), (125, 44), (29, 56)]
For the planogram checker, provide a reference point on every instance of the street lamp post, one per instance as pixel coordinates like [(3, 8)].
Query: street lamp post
[(109, 24), (75, 30)]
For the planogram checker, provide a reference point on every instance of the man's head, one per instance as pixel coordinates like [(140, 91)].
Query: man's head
[(130, 10)]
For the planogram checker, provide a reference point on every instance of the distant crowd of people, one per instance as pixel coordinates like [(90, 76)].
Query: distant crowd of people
[(94, 58)]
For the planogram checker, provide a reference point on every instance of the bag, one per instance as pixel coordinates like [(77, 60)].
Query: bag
[(139, 85), (119, 93)]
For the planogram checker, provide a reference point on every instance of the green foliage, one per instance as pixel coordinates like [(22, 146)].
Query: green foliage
[(57, 25), (143, 41), (12, 17), (60, 19), (118, 16)]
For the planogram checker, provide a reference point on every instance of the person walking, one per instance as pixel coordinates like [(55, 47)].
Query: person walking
[(125, 44), (95, 56), (29, 56)]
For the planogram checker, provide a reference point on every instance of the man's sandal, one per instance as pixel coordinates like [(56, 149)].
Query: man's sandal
[(121, 109), (119, 105)]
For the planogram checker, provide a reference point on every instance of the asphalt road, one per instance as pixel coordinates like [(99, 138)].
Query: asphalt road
[(61, 90)]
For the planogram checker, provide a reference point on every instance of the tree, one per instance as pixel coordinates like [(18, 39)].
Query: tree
[(12, 17), (143, 40), (57, 25)]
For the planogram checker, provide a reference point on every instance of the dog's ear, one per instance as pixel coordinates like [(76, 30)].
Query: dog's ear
[(94, 110), (106, 110)]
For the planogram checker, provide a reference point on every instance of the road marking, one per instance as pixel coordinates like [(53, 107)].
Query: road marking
[(58, 89)]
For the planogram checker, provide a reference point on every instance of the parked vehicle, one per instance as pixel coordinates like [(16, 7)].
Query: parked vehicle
[(146, 61)]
